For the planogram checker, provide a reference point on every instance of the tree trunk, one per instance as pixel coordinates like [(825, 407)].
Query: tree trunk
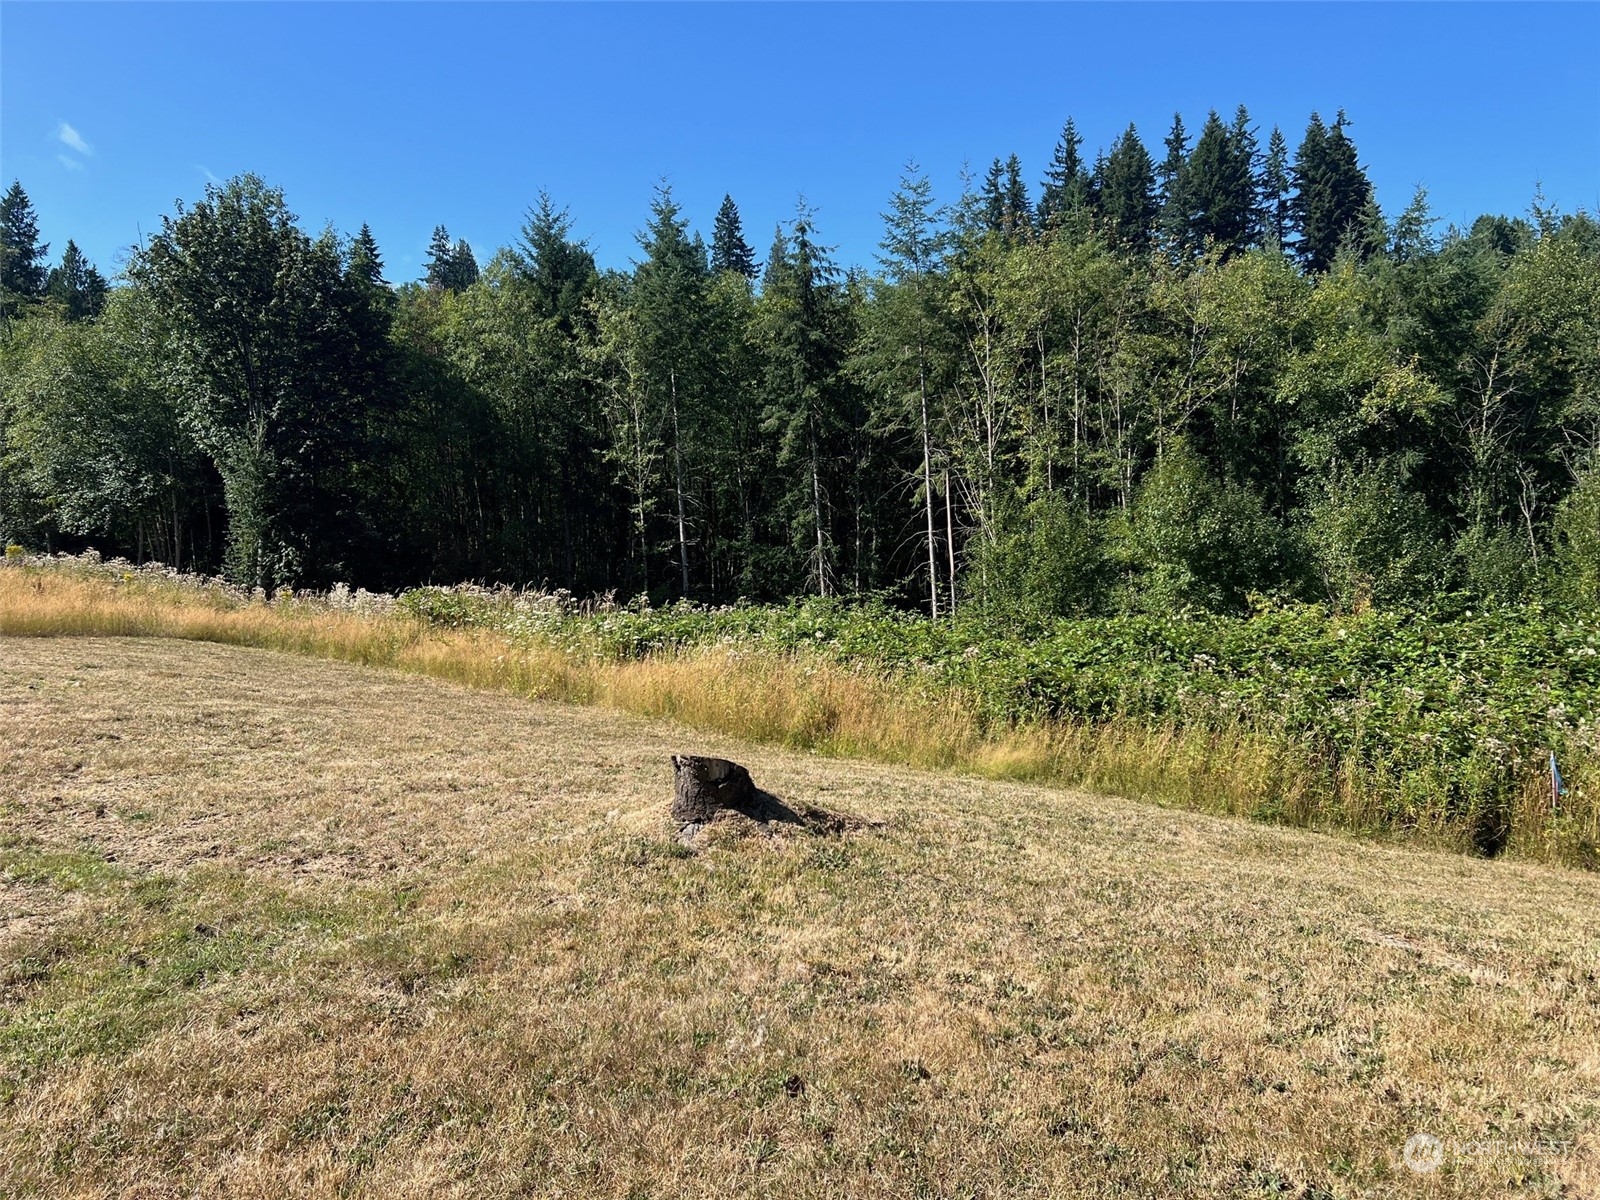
[(927, 492), (677, 470), (704, 786)]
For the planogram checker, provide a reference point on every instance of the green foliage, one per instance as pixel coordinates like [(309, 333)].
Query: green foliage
[(22, 255), (1332, 192), (729, 250), (1433, 716), (1577, 541), (258, 337), (75, 286), (1046, 560), (1193, 541), (1370, 539)]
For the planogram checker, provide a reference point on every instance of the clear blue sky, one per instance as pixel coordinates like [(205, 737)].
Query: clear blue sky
[(408, 115)]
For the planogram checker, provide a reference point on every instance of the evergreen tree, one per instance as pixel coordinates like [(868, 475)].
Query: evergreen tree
[(1332, 193), (1126, 190), (22, 256), (1172, 193), (1273, 190), (671, 316), (1005, 199), (904, 342), (463, 267), (729, 250), (1245, 159), (1219, 187), (364, 264), (559, 270), (441, 271), (805, 334), (76, 286), (1066, 181)]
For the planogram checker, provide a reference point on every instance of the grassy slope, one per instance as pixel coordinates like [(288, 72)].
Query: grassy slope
[(808, 702), (278, 926)]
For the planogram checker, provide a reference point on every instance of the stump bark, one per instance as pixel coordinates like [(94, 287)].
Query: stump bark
[(702, 787)]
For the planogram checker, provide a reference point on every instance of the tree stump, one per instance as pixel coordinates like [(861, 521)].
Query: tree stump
[(702, 787)]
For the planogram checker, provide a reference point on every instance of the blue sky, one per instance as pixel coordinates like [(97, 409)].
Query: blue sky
[(408, 115)]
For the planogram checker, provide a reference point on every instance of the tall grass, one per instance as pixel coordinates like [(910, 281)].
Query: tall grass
[(796, 700)]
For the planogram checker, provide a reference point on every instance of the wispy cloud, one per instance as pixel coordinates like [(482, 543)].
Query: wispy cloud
[(206, 171), (72, 139), (69, 163)]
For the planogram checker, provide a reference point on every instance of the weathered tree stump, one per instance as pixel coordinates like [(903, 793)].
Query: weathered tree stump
[(702, 787)]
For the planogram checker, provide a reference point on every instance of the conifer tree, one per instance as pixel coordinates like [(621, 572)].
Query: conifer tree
[(1219, 187), (672, 319), (1332, 193), (463, 267), (364, 264), (1127, 193), (902, 342), (1273, 190), (22, 257), (76, 286), (1172, 191), (559, 270), (1066, 182), (1005, 199), (441, 261), (729, 250), (805, 335)]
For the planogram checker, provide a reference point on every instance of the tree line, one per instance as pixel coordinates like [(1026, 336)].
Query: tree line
[(1184, 382)]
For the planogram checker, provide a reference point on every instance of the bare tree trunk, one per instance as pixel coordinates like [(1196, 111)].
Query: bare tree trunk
[(927, 494), (677, 470), (816, 516), (950, 539)]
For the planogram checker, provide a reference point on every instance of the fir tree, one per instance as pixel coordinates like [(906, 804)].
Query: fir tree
[(441, 260), (729, 250), (1005, 199), (1066, 182), (76, 286), (558, 269), (1273, 190), (1172, 192), (364, 265), (1219, 187), (22, 271), (1332, 193), (463, 267), (1126, 190), (672, 318)]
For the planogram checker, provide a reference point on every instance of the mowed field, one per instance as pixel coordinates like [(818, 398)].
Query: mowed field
[(271, 926)]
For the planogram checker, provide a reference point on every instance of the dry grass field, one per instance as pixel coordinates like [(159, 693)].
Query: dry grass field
[(279, 926)]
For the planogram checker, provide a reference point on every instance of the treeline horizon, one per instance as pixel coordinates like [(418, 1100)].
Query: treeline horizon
[(1207, 379)]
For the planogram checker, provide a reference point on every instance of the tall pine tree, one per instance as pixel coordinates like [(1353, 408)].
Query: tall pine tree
[(1219, 186), (1172, 191), (1273, 190), (729, 250), (1066, 181), (672, 319), (1126, 188), (558, 268), (1333, 195), (22, 256), (76, 286)]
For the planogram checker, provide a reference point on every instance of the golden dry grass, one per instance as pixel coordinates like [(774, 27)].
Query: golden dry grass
[(797, 702), (275, 926)]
